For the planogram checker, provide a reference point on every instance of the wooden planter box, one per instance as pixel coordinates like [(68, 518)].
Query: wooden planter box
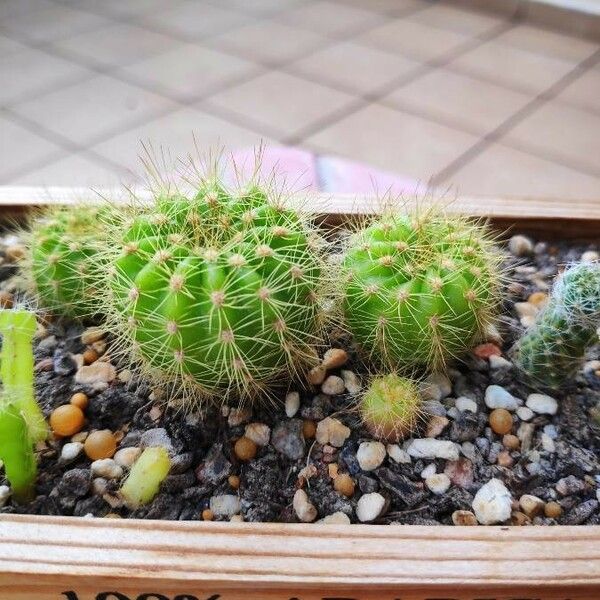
[(58, 558)]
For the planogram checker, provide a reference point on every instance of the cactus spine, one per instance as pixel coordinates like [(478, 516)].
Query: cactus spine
[(554, 346), (420, 288), (219, 292)]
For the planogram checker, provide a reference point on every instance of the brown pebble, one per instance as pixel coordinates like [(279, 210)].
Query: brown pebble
[(207, 515), (511, 442), (334, 358), (538, 299), (234, 482), (112, 516), (486, 350), (67, 420), (505, 459), (464, 518), (316, 376), (90, 356), (245, 449), (500, 421), (344, 484), (100, 444), (553, 510), (6, 299), (309, 429), (80, 400), (518, 518)]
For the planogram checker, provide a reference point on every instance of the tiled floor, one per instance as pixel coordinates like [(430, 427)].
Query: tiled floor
[(474, 101)]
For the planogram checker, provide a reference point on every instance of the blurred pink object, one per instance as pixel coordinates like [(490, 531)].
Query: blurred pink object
[(338, 175), (293, 167)]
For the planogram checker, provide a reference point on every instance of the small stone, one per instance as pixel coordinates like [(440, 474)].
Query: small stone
[(215, 467), (590, 256), (156, 437), (487, 350), (548, 443), (107, 468), (438, 483), (125, 376), (581, 513), (436, 387), (305, 510), (527, 322), (238, 416), (333, 386), (463, 403), (337, 518), (499, 362), (91, 335), (520, 245), (492, 503), (288, 438), (542, 404), (497, 397), (524, 413), (71, 451), (569, 485), (351, 381), (526, 309), (344, 484), (334, 358), (511, 442), (98, 372), (316, 376), (553, 510), (432, 448), (500, 421), (532, 506), (99, 486), (428, 471), (369, 507), (370, 455), (434, 407), (504, 459), (225, 505), (463, 518), (538, 299), (259, 433), (5, 494), (398, 455), (125, 457), (460, 472), (331, 431), (292, 403), (245, 449)]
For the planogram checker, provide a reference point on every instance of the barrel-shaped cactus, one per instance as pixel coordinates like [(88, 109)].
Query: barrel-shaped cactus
[(420, 288), (552, 349), (63, 242), (219, 292)]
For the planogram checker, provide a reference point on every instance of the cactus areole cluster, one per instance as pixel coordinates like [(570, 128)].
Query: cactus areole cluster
[(421, 288), (219, 291)]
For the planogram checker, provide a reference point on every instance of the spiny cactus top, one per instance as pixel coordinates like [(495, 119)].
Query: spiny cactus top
[(552, 349), (420, 288), (219, 291), (63, 244)]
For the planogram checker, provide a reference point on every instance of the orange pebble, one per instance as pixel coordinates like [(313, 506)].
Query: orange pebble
[(67, 420), (309, 429), (90, 356), (487, 350), (234, 481), (344, 485), (80, 400), (245, 448), (207, 515), (501, 421), (6, 300), (100, 444)]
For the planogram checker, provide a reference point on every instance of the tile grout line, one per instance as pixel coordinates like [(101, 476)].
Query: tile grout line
[(496, 135)]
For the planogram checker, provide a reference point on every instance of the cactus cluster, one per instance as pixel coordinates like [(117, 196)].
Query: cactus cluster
[(420, 288), (553, 348), (63, 246), (219, 291)]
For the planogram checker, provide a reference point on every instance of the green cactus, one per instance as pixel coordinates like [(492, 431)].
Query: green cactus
[(145, 477), (63, 244), (420, 288), (219, 292), (552, 349), (391, 407)]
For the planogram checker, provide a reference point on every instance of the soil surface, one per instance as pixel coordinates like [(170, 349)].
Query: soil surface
[(554, 458)]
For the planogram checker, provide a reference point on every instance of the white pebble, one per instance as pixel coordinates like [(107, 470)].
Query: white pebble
[(259, 433), (548, 443), (331, 431), (125, 457), (99, 486), (436, 387), (225, 505), (499, 362), (70, 451), (524, 413), (370, 455), (351, 381), (238, 416), (590, 256), (333, 386), (497, 397), (91, 335), (520, 245), (398, 455), (236, 519), (337, 518), (466, 404), (527, 322), (492, 503), (551, 431), (428, 471), (107, 468), (292, 403), (4, 495), (98, 372), (369, 507), (526, 309), (304, 509), (542, 404), (432, 448), (438, 483)]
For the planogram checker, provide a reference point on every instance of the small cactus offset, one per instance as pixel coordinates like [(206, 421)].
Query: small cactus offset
[(553, 348), (63, 243), (219, 292), (420, 288)]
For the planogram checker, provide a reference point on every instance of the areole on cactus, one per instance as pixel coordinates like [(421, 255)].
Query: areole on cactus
[(220, 291), (420, 288)]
